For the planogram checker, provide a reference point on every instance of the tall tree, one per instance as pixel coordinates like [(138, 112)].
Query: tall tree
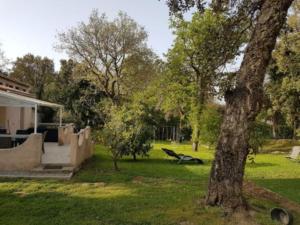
[(199, 52), (287, 58), (35, 71), (243, 102), (112, 51), (272, 97), (78, 95)]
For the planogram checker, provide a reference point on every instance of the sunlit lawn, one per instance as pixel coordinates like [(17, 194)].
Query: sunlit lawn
[(153, 190)]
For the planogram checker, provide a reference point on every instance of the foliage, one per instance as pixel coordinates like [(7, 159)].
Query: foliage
[(283, 88), (211, 119), (260, 132), (126, 132), (79, 96), (199, 52), (114, 52), (35, 71)]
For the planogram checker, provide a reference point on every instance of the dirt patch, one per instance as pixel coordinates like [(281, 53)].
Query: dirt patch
[(138, 180), (262, 193), (242, 218)]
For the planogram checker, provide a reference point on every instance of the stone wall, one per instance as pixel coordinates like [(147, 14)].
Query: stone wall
[(81, 147), (65, 133), (23, 157)]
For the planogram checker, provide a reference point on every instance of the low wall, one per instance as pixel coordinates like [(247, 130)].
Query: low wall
[(65, 133), (23, 157), (81, 147)]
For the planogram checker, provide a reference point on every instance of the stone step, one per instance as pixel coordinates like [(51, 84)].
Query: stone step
[(54, 168), (36, 175)]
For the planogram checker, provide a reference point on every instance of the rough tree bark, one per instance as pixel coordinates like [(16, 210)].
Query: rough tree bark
[(242, 106)]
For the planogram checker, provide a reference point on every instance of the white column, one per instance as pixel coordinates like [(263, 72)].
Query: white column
[(35, 118), (60, 116)]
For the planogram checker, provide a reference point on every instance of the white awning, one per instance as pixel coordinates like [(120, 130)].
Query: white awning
[(13, 100)]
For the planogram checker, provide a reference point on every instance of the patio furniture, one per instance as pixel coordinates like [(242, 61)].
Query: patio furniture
[(30, 130), (3, 131), (12, 138), (5, 142), (21, 140), (52, 135), (181, 157), (294, 153)]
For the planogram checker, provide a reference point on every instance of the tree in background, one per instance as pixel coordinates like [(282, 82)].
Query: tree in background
[(283, 87), (35, 71), (115, 53), (198, 53), (243, 101), (79, 96), (272, 104)]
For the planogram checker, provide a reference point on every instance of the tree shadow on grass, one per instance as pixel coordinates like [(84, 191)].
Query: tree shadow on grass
[(87, 204), (288, 188), (92, 205), (257, 165)]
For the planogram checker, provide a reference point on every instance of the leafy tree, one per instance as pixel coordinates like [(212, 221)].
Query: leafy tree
[(115, 52), (80, 97), (283, 87), (35, 71), (198, 53), (272, 95), (243, 101), (126, 132)]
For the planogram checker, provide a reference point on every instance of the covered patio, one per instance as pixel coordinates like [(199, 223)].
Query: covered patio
[(33, 154), (15, 101)]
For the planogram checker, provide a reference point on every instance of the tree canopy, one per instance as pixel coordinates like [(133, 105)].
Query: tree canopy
[(115, 52), (36, 71)]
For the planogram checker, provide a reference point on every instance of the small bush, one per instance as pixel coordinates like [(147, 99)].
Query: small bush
[(126, 132)]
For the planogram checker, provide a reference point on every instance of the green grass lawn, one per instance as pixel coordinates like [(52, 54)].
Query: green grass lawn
[(153, 190)]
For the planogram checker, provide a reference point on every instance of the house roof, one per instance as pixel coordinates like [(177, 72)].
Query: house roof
[(8, 99), (16, 91), (13, 80)]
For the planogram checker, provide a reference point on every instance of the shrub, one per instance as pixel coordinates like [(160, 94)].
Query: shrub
[(126, 132)]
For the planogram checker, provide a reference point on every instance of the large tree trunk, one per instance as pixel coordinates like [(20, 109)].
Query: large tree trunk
[(242, 106)]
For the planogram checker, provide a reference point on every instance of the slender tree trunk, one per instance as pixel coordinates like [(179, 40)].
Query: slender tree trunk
[(198, 105), (196, 135), (134, 156), (195, 146), (242, 106), (295, 126), (275, 122), (274, 126), (116, 165)]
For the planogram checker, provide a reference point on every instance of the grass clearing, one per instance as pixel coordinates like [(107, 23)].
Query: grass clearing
[(153, 190)]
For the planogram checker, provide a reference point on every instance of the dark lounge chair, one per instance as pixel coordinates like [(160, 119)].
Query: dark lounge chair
[(20, 141), (5, 142), (3, 131), (181, 157)]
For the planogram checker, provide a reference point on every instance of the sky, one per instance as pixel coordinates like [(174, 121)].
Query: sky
[(31, 26)]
